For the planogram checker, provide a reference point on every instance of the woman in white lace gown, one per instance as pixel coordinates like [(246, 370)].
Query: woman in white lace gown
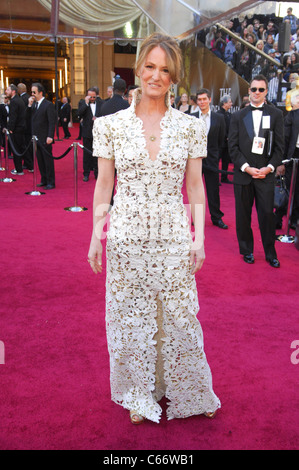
[(154, 338)]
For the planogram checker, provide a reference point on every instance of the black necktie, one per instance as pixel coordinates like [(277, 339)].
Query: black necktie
[(253, 108)]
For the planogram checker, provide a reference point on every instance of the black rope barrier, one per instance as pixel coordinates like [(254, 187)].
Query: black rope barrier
[(13, 147), (35, 192), (84, 148), (43, 147)]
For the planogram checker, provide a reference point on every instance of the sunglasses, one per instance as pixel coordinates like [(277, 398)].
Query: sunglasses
[(254, 89)]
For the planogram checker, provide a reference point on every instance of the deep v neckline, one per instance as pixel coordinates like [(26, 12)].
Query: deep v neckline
[(136, 99), (145, 141)]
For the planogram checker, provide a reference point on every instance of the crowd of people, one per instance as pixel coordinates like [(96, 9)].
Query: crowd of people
[(25, 114), (22, 116), (265, 37)]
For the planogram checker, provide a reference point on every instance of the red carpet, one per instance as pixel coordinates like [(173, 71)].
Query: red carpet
[(54, 391)]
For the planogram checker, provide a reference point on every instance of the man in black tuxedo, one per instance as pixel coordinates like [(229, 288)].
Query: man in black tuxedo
[(43, 120), (16, 127), (215, 125), (98, 98), (256, 144), (3, 119), (65, 117), (291, 126), (28, 157), (88, 110), (117, 102)]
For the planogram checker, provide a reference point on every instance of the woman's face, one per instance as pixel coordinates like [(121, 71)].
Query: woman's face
[(184, 98), (154, 74)]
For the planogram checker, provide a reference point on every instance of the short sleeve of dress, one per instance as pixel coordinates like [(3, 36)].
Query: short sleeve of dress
[(102, 139), (197, 139)]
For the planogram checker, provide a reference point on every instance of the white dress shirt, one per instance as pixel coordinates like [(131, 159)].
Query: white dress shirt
[(39, 102), (207, 119), (93, 108), (257, 117)]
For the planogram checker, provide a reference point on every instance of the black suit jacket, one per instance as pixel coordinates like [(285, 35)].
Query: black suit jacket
[(241, 135), (114, 104), (25, 97), (43, 120), (227, 117), (216, 140), (65, 112), (85, 113), (17, 115), (3, 117), (291, 126)]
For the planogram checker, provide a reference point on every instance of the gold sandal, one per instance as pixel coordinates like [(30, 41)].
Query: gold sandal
[(136, 418), (210, 415)]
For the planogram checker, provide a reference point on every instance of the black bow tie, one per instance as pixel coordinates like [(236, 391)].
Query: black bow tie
[(253, 108)]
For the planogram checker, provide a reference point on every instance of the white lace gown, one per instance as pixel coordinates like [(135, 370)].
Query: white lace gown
[(155, 340)]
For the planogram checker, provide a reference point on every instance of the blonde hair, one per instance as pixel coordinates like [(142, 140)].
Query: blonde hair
[(260, 41), (171, 49)]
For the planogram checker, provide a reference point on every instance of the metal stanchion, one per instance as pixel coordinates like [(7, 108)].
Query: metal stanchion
[(7, 178), (75, 208), (35, 192), (289, 238), (2, 168)]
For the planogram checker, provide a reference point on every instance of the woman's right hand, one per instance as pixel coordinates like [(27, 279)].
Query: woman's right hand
[(95, 255), (197, 257)]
